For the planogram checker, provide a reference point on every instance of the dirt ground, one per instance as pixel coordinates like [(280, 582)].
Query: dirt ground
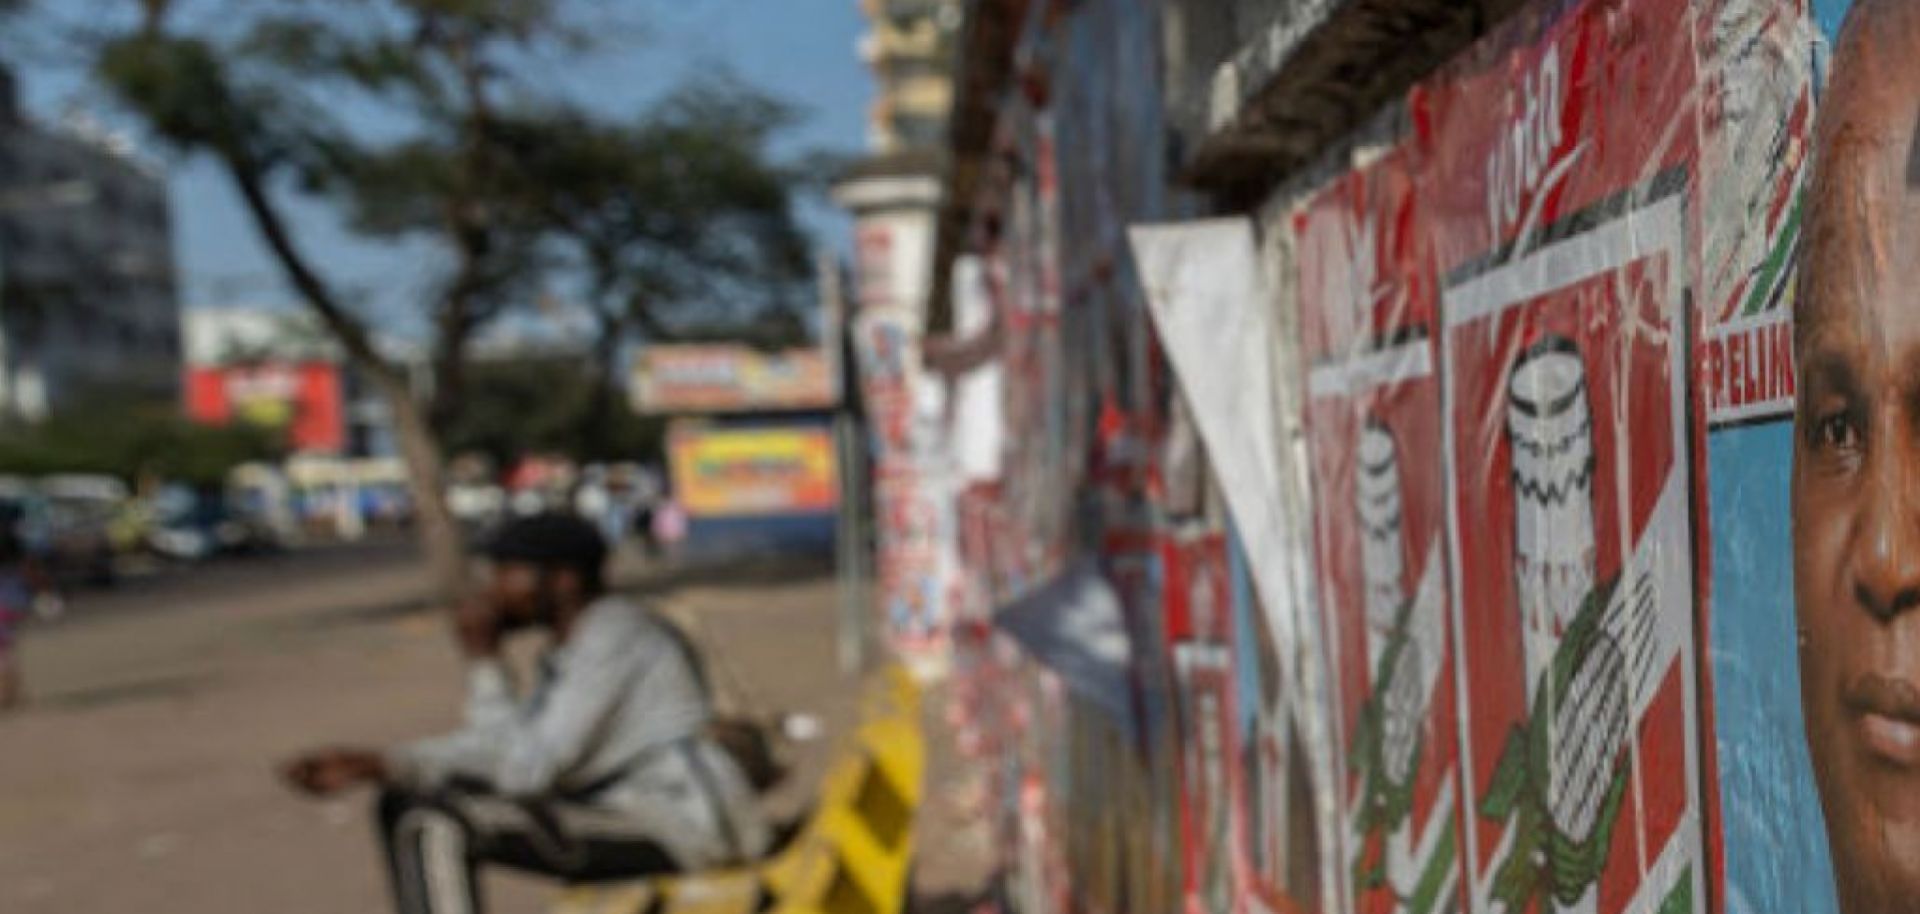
[(140, 776)]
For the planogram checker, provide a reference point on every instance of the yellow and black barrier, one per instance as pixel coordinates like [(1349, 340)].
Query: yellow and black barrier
[(851, 856)]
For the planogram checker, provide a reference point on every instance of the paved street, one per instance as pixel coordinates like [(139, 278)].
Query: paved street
[(140, 777)]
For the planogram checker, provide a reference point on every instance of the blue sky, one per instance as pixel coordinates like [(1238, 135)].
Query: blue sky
[(802, 50)]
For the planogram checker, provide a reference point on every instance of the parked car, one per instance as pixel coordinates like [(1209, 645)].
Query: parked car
[(67, 523), (193, 525)]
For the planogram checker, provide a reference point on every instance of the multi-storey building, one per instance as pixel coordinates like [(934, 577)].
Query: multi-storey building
[(87, 298)]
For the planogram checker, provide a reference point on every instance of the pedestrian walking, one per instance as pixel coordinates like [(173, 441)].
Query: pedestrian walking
[(23, 590)]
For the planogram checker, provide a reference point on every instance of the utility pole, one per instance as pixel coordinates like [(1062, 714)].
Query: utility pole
[(850, 533), (6, 340)]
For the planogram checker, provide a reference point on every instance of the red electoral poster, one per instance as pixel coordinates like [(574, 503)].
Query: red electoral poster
[(1199, 632), (1373, 426), (1558, 190), (1757, 114)]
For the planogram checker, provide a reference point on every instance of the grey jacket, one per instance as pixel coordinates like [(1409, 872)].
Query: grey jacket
[(616, 723)]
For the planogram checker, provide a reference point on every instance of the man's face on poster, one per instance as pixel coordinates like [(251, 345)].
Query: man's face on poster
[(1856, 473)]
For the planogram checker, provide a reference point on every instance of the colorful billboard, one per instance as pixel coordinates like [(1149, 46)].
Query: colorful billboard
[(730, 379), (741, 472)]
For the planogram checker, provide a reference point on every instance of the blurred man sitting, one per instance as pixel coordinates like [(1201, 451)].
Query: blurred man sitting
[(602, 770)]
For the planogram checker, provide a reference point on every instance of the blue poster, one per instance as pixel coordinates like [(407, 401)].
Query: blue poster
[(1773, 831), (1828, 13), (1775, 837)]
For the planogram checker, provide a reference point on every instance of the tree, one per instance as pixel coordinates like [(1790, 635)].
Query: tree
[(680, 225), (537, 405), (448, 165), (133, 440)]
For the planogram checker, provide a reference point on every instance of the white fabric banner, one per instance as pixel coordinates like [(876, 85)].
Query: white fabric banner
[(1210, 301)]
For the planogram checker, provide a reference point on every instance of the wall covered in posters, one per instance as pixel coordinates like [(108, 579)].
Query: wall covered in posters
[(1596, 349)]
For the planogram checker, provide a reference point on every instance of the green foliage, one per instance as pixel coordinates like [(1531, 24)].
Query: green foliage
[(538, 406), (679, 218), (183, 88), (773, 330), (134, 440), (676, 222)]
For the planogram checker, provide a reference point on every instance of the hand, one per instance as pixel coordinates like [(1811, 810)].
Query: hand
[(477, 625), (329, 771)]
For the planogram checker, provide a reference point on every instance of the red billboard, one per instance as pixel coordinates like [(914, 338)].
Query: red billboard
[(305, 400)]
